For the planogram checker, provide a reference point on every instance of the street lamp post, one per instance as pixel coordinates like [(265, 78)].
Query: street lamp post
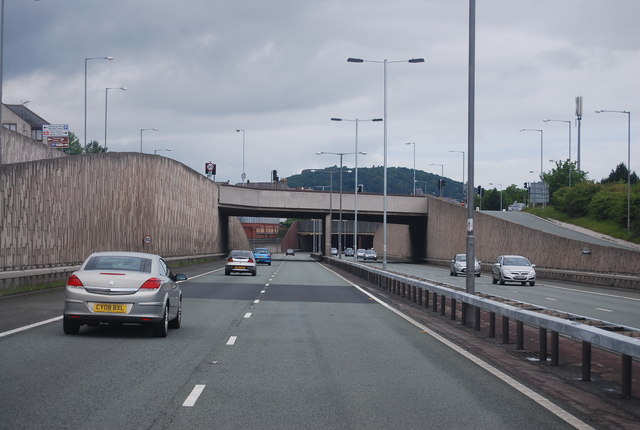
[(414, 166), (384, 204), (86, 60), (569, 124), (441, 175), (461, 152), (106, 97), (491, 183), (341, 154), (145, 129), (628, 113), (244, 175), (355, 218)]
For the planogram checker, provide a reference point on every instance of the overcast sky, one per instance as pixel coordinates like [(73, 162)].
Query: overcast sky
[(200, 69)]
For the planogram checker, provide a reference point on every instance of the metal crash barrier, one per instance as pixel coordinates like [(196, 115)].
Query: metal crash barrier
[(551, 324)]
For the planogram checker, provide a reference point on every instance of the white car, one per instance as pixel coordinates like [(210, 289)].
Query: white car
[(513, 268), (458, 266), (241, 261), (334, 251), (123, 287), (360, 253)]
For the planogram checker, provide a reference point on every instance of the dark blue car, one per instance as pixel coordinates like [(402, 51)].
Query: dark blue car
[(262, 255)]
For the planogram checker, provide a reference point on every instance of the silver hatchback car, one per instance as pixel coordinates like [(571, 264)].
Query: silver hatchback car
[(513, 268), (123, 287)]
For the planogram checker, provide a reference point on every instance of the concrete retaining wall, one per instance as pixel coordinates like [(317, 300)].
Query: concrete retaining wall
[(446, 236), (55, 212), (17, 148)]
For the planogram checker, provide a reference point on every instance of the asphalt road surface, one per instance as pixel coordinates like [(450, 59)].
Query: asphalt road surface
[(296, 347)]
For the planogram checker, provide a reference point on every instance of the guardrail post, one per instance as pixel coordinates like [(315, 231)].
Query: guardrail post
[(463, 316), (415, 294), (476, 320), (626, 376), (555, 348), (453, 309), (443, 304), (435, 301), (505, 329), (492, 324), (519, 335), (543, 344), (586, 361), (426, 298), (420, 291)]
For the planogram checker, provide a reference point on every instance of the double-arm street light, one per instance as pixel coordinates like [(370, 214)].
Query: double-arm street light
[(441, 175), (145, 129), (569, 124), (461, 152), (628, 113), (86, 60), (106, 97), (341, 154), (355, 191), (384, 204), (244, 175)]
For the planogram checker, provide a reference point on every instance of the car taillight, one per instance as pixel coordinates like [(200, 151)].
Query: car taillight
[(250, 260), (74, 281), (151, 284), (229, 260)]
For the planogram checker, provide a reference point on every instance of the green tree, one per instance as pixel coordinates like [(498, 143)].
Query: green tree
[(94, 147), (620, 174), (558, 177), (74, 145), (575, 201)]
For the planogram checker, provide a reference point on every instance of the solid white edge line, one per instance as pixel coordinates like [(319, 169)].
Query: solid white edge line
[(256, 301), (27, 327), (247, 315), (232, 340), (193, 397), (542, 401)]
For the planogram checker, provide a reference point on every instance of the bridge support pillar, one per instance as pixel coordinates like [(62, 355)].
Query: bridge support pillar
[(327, 235)]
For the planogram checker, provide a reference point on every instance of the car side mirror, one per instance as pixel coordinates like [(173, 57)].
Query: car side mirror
[(496, 264), (533, 265), (181, 277)]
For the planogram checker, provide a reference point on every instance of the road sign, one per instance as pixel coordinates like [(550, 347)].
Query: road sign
[(56, 135), (147, 239)]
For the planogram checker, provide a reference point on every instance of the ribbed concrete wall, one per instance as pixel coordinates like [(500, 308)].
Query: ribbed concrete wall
[(446, 236), (57, 211), (17, 148)]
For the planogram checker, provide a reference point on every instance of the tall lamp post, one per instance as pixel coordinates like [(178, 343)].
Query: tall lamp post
[(414, 166), (106, 97), (341, 154), (461, 152), (628, 113), (145, 129), (355, 191), (441, 175), (244, 175), (86, 60), (384, 204), (569, 124), (491, 183)]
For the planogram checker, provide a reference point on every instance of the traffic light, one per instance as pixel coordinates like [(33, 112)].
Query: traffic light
[(479, 190), (526, 185), (274, 176)]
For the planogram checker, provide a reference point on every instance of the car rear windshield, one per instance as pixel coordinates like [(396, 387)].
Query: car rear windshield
[(240, 254), (262, 251), (119, 262)]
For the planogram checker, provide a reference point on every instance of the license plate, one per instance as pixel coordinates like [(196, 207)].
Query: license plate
[(110, 307), (240, 267)]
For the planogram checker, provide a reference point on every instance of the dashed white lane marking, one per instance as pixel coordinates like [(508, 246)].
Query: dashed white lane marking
[(263, 291), (551, 298), (247, 315), (266, 285), (542, 401), (256, 301), (27, 327), (232, 340), (193, 397), (605, 310)]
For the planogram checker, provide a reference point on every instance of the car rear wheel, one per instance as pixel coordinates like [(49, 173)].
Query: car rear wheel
[(227, 272), (254, 273), (501, 280), (70, 327), (532, 283), (161, 328)]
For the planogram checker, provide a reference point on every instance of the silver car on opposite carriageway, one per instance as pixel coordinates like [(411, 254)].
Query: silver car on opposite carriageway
[(123, 287)]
